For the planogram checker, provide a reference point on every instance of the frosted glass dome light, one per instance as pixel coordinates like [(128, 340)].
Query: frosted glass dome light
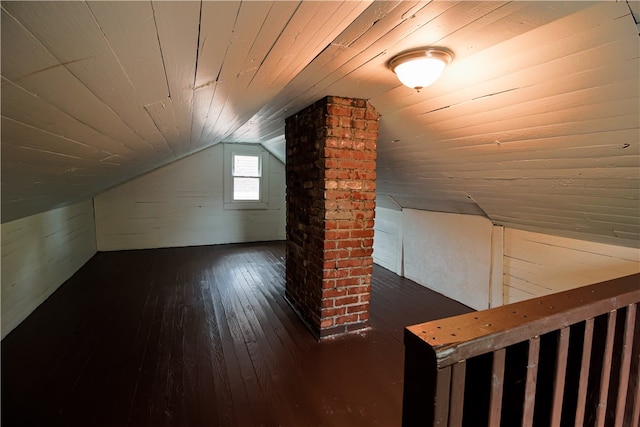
[(418, 69)]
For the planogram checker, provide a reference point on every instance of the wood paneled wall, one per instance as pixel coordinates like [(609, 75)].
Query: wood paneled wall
[(39, 253), (182, 204), (387, 244), (539, 264), (466, 258)]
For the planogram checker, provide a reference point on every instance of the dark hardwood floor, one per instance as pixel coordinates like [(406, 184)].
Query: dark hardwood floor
[(202, 336)]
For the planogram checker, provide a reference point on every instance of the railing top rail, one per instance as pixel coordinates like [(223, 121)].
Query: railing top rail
[(460, 337)]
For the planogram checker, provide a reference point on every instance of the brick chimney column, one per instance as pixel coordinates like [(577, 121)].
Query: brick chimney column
[(331, 191)]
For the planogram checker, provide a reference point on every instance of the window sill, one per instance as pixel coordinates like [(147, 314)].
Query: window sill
[(242, 206)]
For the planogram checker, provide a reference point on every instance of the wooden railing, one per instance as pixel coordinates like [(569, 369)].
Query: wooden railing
[(567, 359)]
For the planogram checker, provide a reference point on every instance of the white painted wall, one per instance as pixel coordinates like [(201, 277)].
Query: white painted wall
[(450, 254), (468, 259), (539, 264), (39, 253), (182, 204), (496, 291), (387, 242)]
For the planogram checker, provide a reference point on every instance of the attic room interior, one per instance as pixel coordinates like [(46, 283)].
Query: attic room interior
[(233, 212)]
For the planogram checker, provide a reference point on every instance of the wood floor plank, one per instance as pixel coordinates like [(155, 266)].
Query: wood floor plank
[(213, 381), (283, 374), (204, 336), (239, 369)]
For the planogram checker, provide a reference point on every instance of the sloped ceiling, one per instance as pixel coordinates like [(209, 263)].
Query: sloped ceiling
[(535, 124)]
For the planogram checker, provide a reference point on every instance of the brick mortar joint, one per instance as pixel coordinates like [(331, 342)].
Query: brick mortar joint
[(353, 304)]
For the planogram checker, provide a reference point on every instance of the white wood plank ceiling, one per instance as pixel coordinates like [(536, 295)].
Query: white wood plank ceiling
[(535, 124)]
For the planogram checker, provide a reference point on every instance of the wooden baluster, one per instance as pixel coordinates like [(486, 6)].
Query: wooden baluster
[(605, 375), (635, 417), (532, 377), (560, 374), (443, 388), (497, 383), (456, 404), (584, 372), (625, 365)]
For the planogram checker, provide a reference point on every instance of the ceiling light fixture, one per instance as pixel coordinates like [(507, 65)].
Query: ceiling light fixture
[(421, 67)]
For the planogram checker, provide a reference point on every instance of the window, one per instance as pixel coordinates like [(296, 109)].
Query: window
[(246, 172)]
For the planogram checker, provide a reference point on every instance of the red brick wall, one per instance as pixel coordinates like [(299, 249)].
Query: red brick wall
[(331, 190)]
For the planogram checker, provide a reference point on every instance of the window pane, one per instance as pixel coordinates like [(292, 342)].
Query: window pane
[(246, 165), (246, 188)]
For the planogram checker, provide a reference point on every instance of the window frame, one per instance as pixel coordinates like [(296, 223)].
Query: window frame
[(231, 150)]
